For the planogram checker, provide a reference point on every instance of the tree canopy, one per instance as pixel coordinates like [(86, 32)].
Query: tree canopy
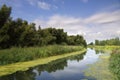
[(113, 41), (20, 33)]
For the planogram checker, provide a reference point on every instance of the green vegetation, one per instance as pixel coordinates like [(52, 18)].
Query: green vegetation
[(52, 66), (13, 55), (108, 65), (20, 41), (110, 42), (106, 47), (22, 66), (115, 63), (100, 69), (20, 33)]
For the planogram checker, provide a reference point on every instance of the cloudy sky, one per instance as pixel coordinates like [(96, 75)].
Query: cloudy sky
[(94, 19)]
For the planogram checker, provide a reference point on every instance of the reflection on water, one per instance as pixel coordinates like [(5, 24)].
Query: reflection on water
[(70, 68)]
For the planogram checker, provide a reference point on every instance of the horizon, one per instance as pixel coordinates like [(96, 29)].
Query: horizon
[(90, 18)]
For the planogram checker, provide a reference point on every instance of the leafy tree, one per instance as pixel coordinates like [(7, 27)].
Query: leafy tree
[(4, 15), (4, 26), (20, 33), (113, 41), (91, 43)]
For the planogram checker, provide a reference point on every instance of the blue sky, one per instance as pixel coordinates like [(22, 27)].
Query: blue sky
[(98, 19)]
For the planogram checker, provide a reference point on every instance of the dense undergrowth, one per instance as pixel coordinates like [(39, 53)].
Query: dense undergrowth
[(114, 64)]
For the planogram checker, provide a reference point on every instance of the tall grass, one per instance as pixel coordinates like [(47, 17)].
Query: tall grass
[(110, 48), (114, 64), (14, 55)]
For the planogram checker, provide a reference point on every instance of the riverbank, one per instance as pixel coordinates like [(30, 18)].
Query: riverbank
[(105, 48), (22, 66), (108, 65), (13, 55), (100, 70)]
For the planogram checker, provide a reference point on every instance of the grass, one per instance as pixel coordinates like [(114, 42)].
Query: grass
[(105, 47), (22, 66), (114, 64), (14, 55)]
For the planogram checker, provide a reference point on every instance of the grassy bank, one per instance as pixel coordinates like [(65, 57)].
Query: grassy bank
[(105, 47), (108, 67), (11, 68), (13, 55), (100, 70), (114, 64)]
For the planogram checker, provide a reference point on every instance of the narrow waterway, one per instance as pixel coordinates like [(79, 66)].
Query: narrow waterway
[(70, 68)]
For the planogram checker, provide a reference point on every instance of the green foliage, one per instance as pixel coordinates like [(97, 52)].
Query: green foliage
[(4, 23), (108, 48), (4, 15), (114, 41), (100, 69), (91, 43), (23, 66), (52, 66), (76, 40), (18, 33), (13, 55), (115, 63)]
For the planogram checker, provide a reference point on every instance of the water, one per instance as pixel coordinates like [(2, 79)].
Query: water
[(70, 68)]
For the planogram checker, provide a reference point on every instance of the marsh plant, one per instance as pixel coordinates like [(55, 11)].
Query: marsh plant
[(14, 55), (115, 63)]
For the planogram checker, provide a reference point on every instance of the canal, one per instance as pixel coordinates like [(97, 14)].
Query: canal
[(69, 68)]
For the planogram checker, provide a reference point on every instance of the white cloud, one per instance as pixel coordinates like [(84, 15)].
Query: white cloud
[(98, 26), (44, 5), (106, 17)]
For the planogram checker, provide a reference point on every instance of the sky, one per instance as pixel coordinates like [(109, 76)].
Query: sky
[(94, 19)]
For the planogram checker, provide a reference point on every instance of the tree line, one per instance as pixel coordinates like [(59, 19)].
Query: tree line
[(113, 41), (20, 33)]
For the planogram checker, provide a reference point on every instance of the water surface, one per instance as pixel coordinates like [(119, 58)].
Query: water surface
[(70, 68)]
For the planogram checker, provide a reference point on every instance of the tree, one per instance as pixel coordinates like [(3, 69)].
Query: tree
[(76, 40), (4, 15), (96, 42), (113, 41), (4, 26), (91, 43), (20, 33)]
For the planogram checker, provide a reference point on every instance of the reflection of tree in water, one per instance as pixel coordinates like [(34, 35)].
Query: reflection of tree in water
[(27, 75), (52, 66), (99, 51), (59, 64), (77, 57)]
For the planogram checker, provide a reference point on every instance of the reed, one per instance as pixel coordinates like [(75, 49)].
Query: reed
[(13, 55)]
